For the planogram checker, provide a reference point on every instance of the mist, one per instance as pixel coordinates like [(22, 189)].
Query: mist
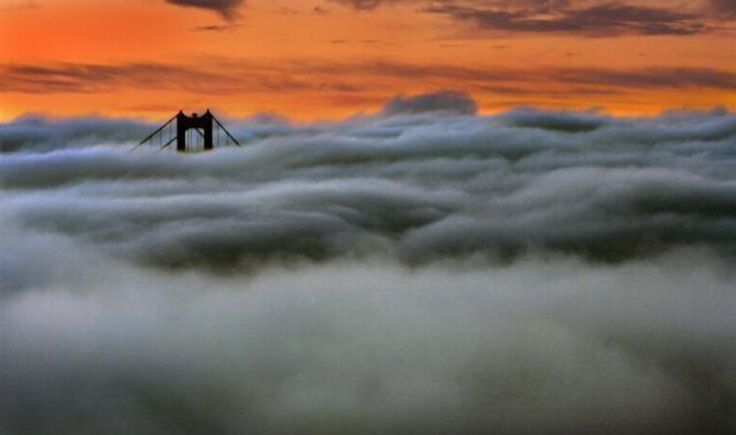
[(422, 270)]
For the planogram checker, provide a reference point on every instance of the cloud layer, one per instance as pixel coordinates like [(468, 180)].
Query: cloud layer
[(538, 347), (420, 180), (421, 270)]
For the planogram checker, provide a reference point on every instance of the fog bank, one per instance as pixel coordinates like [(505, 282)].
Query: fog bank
[(421, 270)]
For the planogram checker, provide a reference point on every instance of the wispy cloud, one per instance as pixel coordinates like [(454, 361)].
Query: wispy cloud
[(607, 19), (595, 18), (724, 8), (244, 76), (365, 5), (19, 5), (82, 77)]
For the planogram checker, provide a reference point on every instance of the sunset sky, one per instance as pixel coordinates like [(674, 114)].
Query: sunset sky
[(312, 59)]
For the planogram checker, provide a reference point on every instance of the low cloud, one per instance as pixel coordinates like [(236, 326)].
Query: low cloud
[(93, 345), (420, 180), (444, 101), (35, 132), (421, 270)]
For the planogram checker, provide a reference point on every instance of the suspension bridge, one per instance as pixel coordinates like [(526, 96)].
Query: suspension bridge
[(191, 134)]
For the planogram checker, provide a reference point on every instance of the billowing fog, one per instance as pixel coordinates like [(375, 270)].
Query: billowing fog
[(423, 270)]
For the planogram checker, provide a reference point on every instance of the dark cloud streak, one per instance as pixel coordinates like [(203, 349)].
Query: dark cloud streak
[(724, 9), (365, 5), (608, 19), (598, 18), (226, 8)]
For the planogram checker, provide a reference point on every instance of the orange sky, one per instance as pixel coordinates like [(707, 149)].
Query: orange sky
[(312, 59)]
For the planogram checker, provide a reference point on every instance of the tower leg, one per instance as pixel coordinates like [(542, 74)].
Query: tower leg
[(207, 121), (181, 132)]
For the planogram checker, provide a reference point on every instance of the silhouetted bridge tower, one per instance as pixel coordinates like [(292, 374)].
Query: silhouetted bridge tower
[(191, 133)]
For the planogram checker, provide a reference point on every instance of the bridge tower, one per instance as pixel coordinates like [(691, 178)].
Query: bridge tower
[(181, 129), (202, 123)]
